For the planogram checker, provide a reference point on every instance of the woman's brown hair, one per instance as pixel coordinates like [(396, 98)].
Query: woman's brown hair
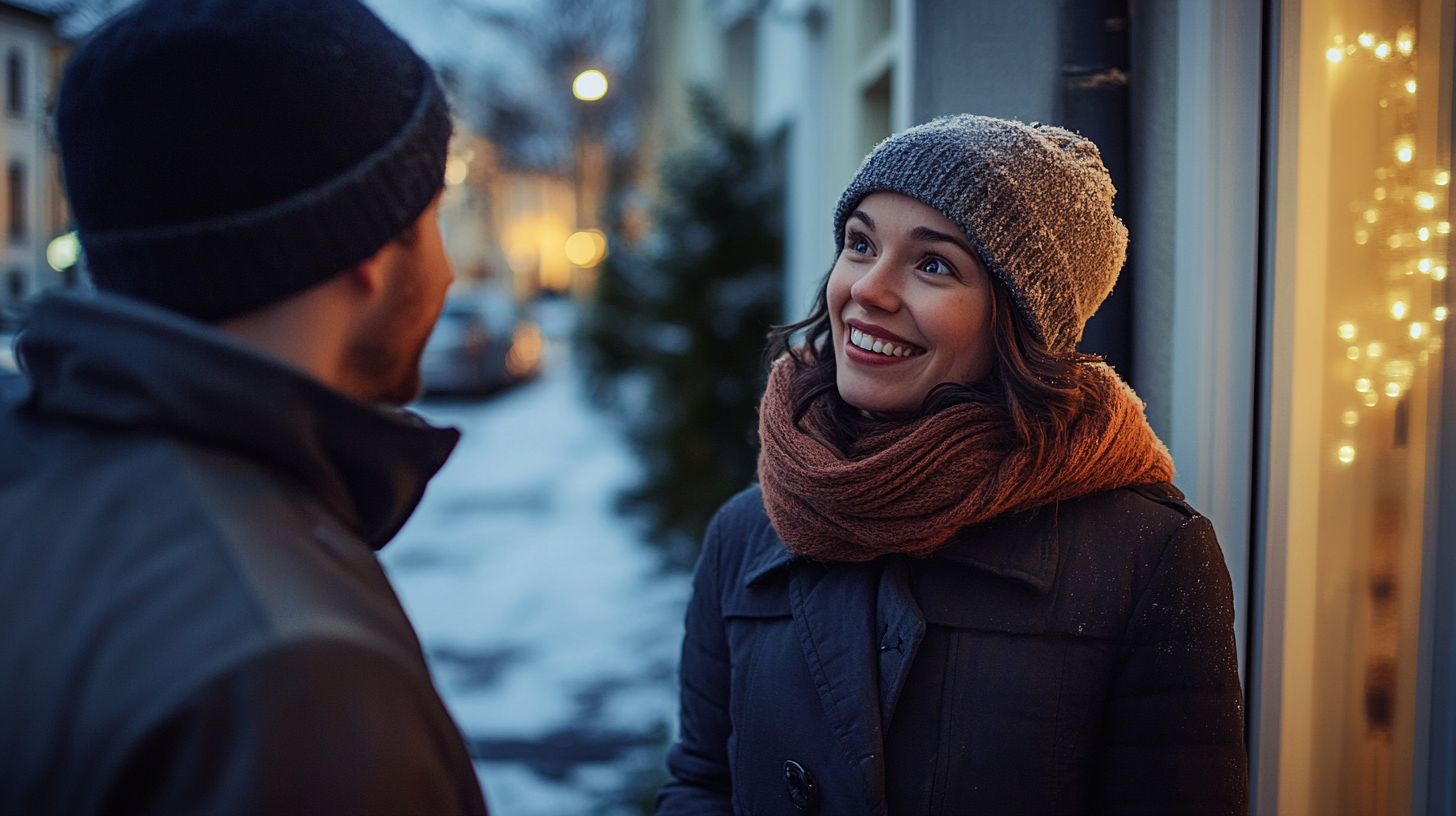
[(1042, 392)]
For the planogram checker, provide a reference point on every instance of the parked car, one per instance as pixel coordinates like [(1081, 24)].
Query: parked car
[(12, 382), (480, 344)]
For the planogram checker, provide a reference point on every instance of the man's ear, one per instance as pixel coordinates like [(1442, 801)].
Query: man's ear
[(368, 275)]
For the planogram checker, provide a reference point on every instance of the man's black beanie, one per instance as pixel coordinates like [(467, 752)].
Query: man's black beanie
[(221, 155)]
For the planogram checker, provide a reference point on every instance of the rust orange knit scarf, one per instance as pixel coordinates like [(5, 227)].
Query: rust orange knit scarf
[(910, 485)]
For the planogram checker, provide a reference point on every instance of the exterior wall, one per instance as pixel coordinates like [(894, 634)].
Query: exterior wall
[(25, 142)]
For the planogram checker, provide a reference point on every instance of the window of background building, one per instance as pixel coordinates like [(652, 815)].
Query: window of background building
[(15, 83), (1371, 230), (15, 198)]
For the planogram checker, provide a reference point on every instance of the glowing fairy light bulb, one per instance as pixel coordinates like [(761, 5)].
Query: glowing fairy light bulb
[(1423, 234), (1371, 215), (1370, 399), (1438, 273), (1382, 50), (1352, 353), (1362, 385), (1392, 390), (1439, 313), (1424, 265), (1334, 55), (1350, 418), (1397, 309), (1404, 151), (1379, 193), (1442, 178), (1374, 350), (1346, 331), (1425, 201), (1362, 237), (1410, 86), (1443, 227), (1405, 44), (1346, 453), (1417, 330), (1367, 39)]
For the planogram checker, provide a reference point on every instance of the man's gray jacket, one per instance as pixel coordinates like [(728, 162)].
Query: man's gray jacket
[(192, 617)]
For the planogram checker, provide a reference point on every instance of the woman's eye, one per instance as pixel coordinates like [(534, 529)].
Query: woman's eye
[(859, 244), (936, 266)]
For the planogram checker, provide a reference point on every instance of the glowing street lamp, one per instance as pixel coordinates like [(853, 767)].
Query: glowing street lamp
[(590, 85)]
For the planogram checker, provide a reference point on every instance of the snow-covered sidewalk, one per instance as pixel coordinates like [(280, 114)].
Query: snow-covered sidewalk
[(552, 632)]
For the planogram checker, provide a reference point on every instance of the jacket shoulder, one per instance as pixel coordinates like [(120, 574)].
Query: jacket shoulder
[(741, 544)]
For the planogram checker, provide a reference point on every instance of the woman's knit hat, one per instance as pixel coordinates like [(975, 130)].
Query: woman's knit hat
[(221, 155), (1034, 200)]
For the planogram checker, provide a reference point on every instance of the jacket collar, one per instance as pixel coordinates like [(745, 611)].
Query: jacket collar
[(1022, 547), (125, 364)]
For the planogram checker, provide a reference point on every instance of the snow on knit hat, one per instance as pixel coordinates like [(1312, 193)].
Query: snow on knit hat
[(221, 155), (1034, 200)]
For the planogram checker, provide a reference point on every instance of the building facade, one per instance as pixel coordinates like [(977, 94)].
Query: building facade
[(1284, 171), (33, 208)]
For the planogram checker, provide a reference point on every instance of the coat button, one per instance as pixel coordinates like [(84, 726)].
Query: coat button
[(803, 787)]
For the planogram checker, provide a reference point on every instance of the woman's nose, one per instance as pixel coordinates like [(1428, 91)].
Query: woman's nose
[(879, 287)]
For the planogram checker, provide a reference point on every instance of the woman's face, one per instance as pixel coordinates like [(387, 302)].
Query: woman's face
[(909, 304)]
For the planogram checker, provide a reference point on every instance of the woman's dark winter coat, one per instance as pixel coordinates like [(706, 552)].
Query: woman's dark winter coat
[(1078, 658)]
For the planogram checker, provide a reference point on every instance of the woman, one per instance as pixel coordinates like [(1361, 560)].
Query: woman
[(964, 584)]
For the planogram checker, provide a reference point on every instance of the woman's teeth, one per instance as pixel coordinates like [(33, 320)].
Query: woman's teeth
[(878, 346)]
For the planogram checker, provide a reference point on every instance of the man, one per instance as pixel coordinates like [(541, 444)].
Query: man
[(192, 619)]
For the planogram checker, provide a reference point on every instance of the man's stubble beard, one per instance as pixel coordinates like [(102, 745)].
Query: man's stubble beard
[(383, 357)]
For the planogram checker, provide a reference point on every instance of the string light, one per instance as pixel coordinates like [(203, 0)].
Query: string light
[(1410, 86), (1371, 216), (1439, 313), (1346, 453), (1371, 399), (1417, 330), (1351, 418), (1397, 309), (1392, 390), (1367, 39), (1334, 55), (1424, 265), (1382, 50), (1374, 349), (1405, 44), (1361, 237), (1362, 385), (1353, 352), (1443, 227), (1423, 234), (1439, 273), (1379, 193), (1404, 151), (1346, 331), (1425, 201), (1442, 178)]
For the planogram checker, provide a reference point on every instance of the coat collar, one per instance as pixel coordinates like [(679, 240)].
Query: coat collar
[(1022, 547), (122, 363)]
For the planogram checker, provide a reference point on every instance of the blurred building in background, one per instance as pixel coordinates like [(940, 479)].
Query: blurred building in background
[(1284, 171), (33, 208)]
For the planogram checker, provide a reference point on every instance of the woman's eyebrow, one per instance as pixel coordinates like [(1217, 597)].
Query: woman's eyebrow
[(860, 214), (928, 234)]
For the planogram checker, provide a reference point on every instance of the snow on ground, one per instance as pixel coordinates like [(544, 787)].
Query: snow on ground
[(550, 627)]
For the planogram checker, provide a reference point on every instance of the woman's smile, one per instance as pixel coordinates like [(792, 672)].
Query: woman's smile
[(909, 305)]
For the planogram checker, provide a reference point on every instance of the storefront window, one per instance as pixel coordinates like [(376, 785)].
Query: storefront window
[(1371, 230)]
